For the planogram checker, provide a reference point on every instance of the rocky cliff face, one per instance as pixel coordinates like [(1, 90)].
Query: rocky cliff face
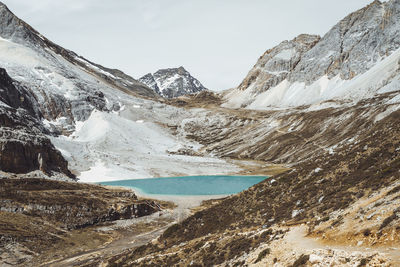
[(308, 70), (277, 63), (73, 206), (173, 82), (354, 45), (24, 146), (16, 96)]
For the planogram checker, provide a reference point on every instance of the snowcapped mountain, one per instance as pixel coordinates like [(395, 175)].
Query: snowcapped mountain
[(173, 82), (105, 123), (328, 132), (277, 63), (65, 84), (47, 89), (354, 60), (108, 124)]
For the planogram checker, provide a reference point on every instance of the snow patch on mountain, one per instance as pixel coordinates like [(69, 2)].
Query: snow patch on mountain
[(95, 68), (60, 88)]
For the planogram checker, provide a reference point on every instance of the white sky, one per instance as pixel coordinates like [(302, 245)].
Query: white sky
[(217, 41)]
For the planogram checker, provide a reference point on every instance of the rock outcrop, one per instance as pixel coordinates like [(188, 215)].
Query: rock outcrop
[(354, 45), (16, 96), (24, 147), (39, 216), (73, 206), (172, 82), (277, 63)]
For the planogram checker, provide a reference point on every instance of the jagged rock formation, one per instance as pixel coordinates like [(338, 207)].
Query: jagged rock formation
[(277, 63), (354, 45), (172, 83), (23, 145), (308, 70), (16, 96)]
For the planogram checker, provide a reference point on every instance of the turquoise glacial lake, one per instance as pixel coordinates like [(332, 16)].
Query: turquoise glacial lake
[(191, 185)]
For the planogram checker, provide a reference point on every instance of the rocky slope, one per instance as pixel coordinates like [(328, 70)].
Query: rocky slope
[(63, 83), (347, 197), (24, 147), (339, 66), (17, 31), (173, 82), (277, 63), (38, 215)]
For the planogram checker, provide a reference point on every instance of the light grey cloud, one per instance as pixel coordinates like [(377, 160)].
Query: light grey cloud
[(218, 41)]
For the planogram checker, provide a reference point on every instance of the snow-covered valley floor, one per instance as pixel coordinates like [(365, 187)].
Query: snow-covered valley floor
[(131, 144)]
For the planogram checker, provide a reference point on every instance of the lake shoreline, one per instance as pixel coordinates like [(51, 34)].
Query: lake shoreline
[(205, 185)]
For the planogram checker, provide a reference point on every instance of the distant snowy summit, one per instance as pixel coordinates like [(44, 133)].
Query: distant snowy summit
[(172, 82)]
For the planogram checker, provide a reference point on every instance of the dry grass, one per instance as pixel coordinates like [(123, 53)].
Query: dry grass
[(355, 170), (54, 219)]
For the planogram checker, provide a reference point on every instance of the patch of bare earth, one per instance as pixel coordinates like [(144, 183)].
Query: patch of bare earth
[(43, 220)]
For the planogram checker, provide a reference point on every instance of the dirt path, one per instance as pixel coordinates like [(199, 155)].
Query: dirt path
[(127, 242), (297, 239), (128, 239)]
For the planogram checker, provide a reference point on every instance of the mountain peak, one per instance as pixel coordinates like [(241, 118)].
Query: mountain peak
[(376, 2), (17, 30), (276, 63), (172, 82)]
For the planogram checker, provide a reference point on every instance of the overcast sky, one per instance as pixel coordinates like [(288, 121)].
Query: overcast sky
[(218, 41)]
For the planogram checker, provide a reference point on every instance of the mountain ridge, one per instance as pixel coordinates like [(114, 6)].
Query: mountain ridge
[(21, 32)]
